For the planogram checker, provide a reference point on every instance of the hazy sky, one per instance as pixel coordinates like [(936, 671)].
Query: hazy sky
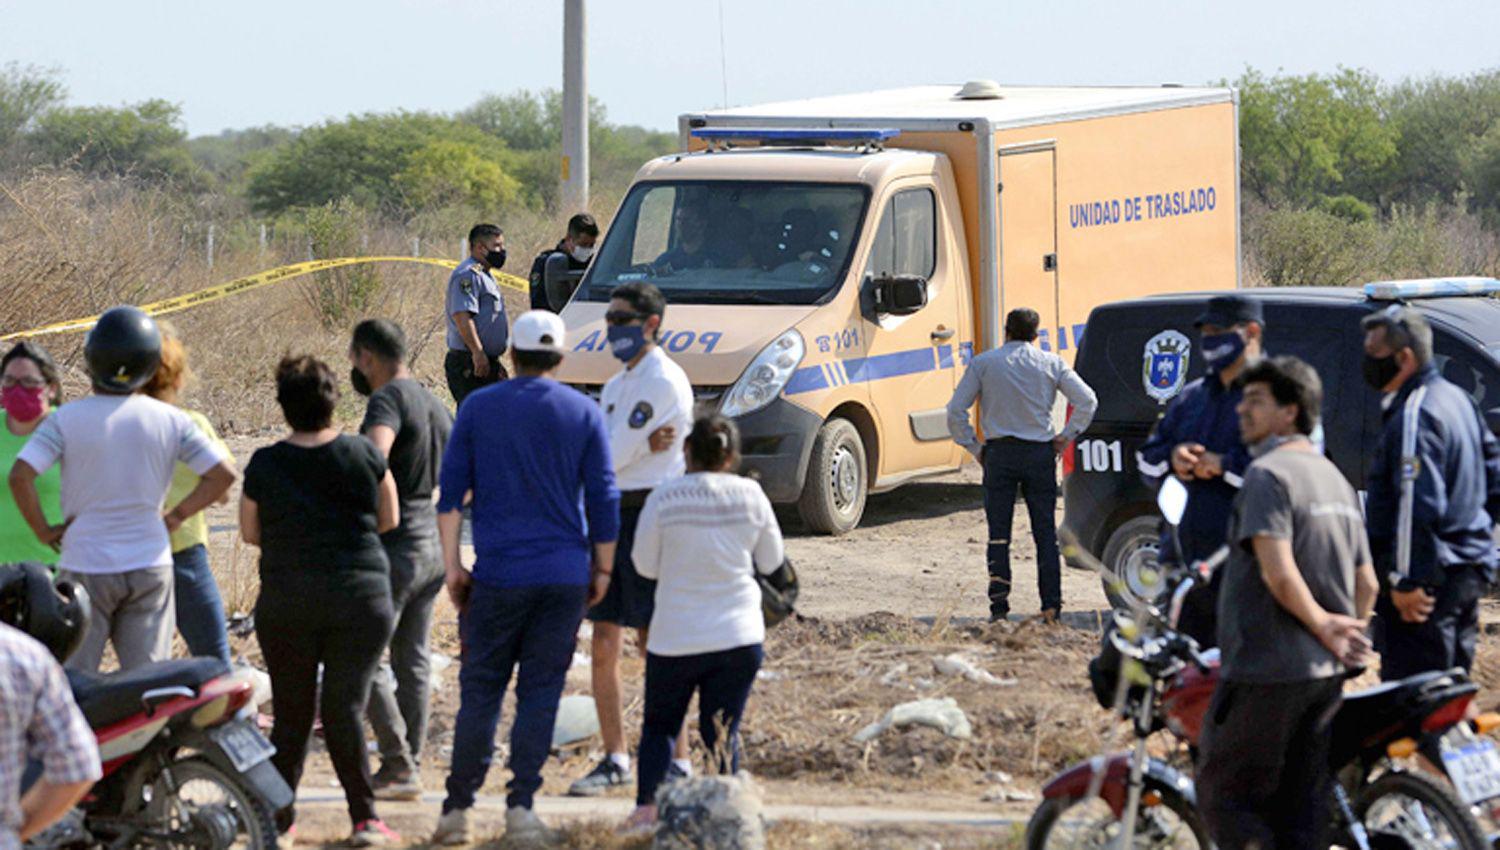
[(232, 63)]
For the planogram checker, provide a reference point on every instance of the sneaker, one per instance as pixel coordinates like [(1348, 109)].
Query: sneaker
[(373, 833), (452, 828), (604, 776), (1049, 616), (523, 825), (674, 773), (395, 783), (642, 821)]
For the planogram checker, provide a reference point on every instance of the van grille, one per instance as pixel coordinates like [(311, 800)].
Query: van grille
[(705, 398)]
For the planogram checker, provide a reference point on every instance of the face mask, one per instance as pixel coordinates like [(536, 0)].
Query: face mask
[(626, 342), (360, 382), (1380, 371), (1220, 350), (24, 403), (495, 259), (581, 254)]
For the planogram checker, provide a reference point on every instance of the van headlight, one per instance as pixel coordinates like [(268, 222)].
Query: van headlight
[(766, 377)]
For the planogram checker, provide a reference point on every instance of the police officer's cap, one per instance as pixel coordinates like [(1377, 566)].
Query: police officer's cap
[(123, 350), (1229, 310)]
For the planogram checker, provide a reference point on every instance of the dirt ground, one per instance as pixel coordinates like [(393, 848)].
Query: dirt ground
[(878, 608)]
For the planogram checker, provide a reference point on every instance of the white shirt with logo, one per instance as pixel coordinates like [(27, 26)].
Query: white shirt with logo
[(638, 401)]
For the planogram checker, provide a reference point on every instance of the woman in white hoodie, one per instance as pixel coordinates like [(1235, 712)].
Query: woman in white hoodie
[(702, 537)]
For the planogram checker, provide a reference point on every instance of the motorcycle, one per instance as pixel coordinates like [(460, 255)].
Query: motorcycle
[(184, 764), (1166, 683)]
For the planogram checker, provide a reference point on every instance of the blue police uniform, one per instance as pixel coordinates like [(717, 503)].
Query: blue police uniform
[(1433, 490), (472, 290), (1204, 413)]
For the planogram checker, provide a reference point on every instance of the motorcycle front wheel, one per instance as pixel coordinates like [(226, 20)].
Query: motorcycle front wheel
[(1402, 809), (212, 809), (1076, 823)]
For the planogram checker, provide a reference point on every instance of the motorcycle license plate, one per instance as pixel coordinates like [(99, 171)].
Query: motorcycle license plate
[(244, 745), (1474, 770)]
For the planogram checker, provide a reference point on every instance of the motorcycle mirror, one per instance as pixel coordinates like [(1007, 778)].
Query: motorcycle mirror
[(1172, 499)]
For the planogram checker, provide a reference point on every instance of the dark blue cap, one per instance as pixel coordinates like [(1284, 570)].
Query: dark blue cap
[(1229, 310)]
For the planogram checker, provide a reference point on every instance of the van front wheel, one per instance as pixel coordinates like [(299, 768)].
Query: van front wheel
[(833, 497)]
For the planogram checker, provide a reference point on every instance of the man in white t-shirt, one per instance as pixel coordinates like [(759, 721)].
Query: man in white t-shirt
[(117, 451), (648, 409)]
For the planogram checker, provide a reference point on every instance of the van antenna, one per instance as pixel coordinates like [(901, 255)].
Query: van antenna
[(723, 63)]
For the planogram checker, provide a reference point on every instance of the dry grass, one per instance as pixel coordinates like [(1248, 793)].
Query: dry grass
[(74, 246)]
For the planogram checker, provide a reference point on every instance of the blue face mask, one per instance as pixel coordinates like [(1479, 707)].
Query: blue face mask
[(1220, 350), (625, 342)]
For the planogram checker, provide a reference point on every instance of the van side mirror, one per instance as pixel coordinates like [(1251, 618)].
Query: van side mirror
[(1492, 419), (899, 295), (559, 280)]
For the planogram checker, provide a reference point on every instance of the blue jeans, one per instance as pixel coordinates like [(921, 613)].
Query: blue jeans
[(200, 610), (535, 628), (723, 681)]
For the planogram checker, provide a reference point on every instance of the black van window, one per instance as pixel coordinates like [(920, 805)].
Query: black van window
[(1470, 369), (906, 238)]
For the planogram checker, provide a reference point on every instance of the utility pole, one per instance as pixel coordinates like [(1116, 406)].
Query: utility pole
[(575, 116)]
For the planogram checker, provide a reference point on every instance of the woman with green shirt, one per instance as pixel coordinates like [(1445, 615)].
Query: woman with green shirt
[(29, 389), (199, 607)]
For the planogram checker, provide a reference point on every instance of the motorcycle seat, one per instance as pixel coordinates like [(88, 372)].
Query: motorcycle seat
[(108, 698)]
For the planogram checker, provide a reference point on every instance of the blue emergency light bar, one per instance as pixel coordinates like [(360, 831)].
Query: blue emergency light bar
[(805, 135), (1431, 287)]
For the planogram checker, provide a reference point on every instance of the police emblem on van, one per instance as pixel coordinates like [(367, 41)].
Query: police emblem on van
[(1165, 368)]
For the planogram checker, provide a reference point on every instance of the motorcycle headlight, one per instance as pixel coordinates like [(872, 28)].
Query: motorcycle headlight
[(768, 373)]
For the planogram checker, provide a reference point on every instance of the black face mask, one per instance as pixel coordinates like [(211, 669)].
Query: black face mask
[(1379, 371), (495, 259), (360, 382)]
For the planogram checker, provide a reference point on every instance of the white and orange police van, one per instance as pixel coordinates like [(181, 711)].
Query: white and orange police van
[(830, 265)]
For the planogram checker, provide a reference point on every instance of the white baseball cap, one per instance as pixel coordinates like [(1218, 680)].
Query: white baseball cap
[(538, 330)]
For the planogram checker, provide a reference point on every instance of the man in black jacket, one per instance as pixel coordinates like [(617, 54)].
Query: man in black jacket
[(578, 245), (1434, 487)]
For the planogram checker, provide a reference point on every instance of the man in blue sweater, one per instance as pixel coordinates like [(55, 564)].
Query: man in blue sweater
[(546, 517)]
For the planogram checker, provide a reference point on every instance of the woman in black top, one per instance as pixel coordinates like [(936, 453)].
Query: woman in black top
[(316, 503)]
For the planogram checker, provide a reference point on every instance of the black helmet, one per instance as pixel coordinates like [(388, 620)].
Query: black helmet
[(57, 615), (123, 350)]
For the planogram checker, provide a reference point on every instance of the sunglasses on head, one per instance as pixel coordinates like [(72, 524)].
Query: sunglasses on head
[(623, 317)]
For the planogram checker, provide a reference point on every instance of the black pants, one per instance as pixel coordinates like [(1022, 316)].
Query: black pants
[(300, 625), (1263, 778), (1446, 640), (1010, 464), (723, 681), (458, 366)]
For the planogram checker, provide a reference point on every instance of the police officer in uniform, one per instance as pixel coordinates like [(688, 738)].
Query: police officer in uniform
[(477, 330), (1198, 440), (578, 245), (1434, 487), (648, 410)]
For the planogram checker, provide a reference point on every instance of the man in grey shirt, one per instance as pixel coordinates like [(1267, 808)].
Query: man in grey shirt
[(1017, 386), (477, 329), (1297, 591)]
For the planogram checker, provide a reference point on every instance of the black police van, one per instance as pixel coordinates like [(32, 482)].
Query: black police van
[(1138, 354)]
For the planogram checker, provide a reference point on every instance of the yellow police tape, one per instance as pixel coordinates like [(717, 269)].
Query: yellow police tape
[(256, 281)]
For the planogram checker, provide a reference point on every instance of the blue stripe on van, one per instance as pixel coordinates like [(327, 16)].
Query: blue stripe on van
[(945, 357), (806, 379), (864, 369), (1078, 335), (965, 352), (1042, 339)]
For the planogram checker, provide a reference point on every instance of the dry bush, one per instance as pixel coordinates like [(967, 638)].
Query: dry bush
[(75, 246)]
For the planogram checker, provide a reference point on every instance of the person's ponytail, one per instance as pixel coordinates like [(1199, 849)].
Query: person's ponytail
[(714, 444)]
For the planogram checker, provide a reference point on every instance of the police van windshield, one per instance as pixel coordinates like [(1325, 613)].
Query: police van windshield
[(731, 242)]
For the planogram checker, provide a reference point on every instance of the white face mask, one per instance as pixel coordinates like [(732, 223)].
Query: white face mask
[(582, 254)]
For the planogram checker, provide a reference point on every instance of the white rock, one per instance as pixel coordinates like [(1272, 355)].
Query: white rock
[(770, 675), (710, 813), (997, 777), (1020, 796), (957, 665), (439, 662), (577, 720), (943, 715)]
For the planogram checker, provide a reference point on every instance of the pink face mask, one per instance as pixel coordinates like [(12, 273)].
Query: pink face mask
[(24, 403)]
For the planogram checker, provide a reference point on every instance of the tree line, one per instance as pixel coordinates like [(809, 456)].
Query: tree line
[(1345, 176)]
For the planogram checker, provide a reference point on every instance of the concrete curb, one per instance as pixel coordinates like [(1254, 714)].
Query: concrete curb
[(617, 808)]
